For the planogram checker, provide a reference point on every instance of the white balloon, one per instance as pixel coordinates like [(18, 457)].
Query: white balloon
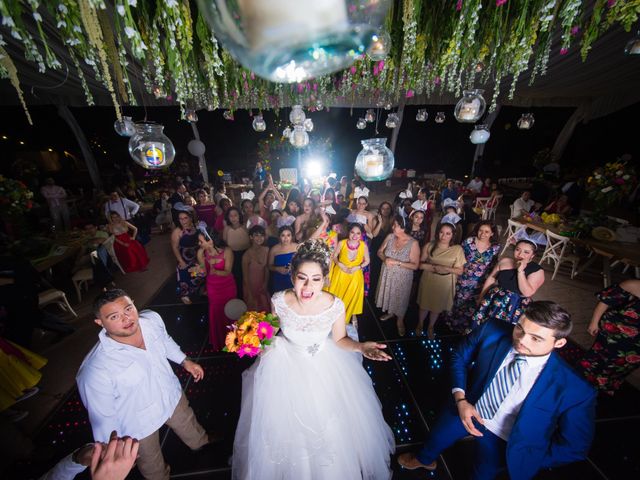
[(235, 308), (196, 148)]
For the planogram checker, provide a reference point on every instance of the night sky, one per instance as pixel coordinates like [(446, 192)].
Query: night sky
[(426, 147)]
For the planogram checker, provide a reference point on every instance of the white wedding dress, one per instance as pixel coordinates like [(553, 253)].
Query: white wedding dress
[(309, 411)]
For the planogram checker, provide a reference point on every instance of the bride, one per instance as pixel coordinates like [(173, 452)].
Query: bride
[(308, 409)]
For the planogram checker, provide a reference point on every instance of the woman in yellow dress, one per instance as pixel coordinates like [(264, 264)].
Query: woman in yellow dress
[(441, 262), (347, 280), (19, 372)]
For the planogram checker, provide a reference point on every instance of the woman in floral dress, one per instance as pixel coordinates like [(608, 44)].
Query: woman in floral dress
[(615, 324), (480, 250)]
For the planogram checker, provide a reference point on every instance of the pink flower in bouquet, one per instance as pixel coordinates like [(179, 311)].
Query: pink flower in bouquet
[(248, 350), (265, 330)]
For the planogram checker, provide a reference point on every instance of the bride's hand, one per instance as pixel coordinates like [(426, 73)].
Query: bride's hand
[(374, 351)]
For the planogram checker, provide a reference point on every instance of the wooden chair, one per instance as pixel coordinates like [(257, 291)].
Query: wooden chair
[(510, 233), (108, 245), (556, 252), (57, 297)]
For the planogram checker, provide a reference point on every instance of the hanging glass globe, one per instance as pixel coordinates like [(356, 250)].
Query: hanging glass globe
[(319, 105), (361, 124), (292, 41), (125, 127), (392, 120), (440, 117), (422, 115), (308, 125), (258, 124), (228, 115), (297, 115), (379, 46), (526, 121), (211, 107), (375, 161), (480, 134), (370, 116), (388, 106), (286, 133), (158, 92), (150, 148), (190, 116), (299, 137), (633, 46), (470, 107)]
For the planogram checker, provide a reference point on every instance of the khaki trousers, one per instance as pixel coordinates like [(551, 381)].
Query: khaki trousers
[(183, 422)]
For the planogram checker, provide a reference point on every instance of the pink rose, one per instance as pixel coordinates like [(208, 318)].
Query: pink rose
[(633, 358), (409, 93), (628, 331)]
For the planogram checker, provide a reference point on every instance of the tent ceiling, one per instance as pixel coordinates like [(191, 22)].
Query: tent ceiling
[(607, 81)]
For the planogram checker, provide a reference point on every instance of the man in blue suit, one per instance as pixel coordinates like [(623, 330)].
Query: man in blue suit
[(526, 407)]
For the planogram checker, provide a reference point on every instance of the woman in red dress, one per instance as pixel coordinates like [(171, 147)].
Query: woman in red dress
[(131, 254)]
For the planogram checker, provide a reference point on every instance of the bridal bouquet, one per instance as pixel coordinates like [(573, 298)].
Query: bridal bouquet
[(251, 333)]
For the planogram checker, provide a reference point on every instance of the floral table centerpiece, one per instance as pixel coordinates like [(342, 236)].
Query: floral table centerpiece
[(611, 184)]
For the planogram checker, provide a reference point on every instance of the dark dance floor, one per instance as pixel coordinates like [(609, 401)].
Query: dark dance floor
[(411, 388)]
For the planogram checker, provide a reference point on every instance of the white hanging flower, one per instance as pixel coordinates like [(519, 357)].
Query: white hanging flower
[(41, 67), (37, 17), (8, 22), (61, 24), (133, 3), (129, 32), (120, 9), (626, 177), (619, 172), (76, 28), (62, 8), (171, 3), (606, 189), (16, 35)]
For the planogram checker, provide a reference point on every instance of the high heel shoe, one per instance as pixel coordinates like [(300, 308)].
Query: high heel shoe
[(419, 332), (402, 330), (386, 317), (431, 334)]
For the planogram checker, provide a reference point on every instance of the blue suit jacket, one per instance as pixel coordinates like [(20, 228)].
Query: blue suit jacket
[(555, 424)]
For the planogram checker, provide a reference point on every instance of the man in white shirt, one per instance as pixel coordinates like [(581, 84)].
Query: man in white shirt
[(124, 207), (56, 197), (526, 408), (522, 205), (475, 185), (127, 384)]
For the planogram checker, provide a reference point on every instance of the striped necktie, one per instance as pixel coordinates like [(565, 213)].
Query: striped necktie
[(498, 390)]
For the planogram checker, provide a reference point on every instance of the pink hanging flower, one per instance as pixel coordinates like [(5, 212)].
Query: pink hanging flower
[(459, 5), (375, 71), (611, 3), (564, 51), (315, 87), (437, 81), (381, 65), (574, 30), (499, 3), (253, 77), (300, 88), (353, 70), (409, 93)]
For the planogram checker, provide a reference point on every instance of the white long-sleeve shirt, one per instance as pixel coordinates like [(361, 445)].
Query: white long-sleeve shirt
[(127, 389), (65, 469), (54, 194), (123, 206)]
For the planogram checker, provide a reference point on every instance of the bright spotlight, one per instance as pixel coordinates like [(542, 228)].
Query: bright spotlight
[(314, 168)]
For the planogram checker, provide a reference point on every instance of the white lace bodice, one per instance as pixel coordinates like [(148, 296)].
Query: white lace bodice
[(309, 332)]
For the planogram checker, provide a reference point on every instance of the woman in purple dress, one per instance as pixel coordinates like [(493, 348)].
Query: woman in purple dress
[(481, 250)]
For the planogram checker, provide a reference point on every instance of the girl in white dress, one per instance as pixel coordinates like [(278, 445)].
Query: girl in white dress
[(309, 410)]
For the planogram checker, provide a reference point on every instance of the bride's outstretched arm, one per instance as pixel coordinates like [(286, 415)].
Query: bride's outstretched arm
[(371, 350)]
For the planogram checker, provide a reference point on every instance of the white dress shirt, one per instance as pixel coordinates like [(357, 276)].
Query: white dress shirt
[(54, 194), (123, 206), (65, 469), (475, 185), (502, 422), (131, 390), (520, 207)]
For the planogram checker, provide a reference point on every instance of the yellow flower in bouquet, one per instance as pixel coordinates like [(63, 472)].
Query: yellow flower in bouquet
[(231, 342)]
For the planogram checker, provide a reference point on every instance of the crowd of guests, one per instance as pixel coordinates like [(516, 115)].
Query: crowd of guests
[(457, 277)]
